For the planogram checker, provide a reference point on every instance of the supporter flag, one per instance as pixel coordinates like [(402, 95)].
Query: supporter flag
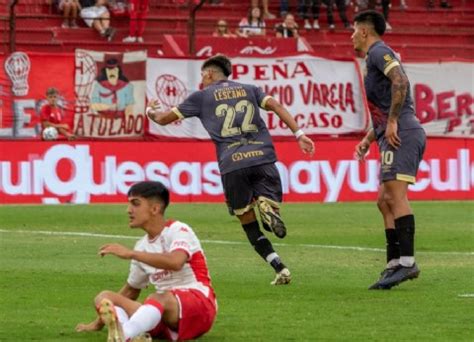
[(110, 94)]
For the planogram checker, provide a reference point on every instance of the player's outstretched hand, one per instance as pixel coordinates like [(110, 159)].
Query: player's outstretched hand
[(306, 145), (115, 249), (362, 150), (153, 107), (95, 325)]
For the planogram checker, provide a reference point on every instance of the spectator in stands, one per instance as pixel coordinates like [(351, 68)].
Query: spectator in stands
[(442, 3), (315, 9), (138, 10), (222, 30), (70, 10), (52, 114), (96, 15), (371, 4), (266, 11), (288, 28), (284, 8), (342, 10), (253, 24)]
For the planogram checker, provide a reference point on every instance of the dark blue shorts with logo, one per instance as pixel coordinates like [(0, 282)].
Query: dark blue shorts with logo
[(402, 163)]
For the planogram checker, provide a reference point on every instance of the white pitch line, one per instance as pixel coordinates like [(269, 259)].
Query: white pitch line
[(222, 242)]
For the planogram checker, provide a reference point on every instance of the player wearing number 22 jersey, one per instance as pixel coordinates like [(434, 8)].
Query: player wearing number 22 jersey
[(229, 111)]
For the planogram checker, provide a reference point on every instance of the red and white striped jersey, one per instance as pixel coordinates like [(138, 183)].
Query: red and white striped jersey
[(194, 274)]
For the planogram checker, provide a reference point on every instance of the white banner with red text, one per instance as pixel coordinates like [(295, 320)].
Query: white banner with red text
[(100, 172), (443, 95), (324, 96)]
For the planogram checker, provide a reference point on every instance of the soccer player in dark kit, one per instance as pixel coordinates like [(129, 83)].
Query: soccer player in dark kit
[(229, 111), (401, 141)]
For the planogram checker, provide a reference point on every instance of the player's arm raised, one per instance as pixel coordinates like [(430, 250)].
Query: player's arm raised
[(155, 112), (305, 143)]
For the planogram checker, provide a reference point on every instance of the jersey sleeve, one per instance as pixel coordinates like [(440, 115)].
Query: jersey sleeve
[(261, 97), (384, 59), (190, 107), (183, 238)]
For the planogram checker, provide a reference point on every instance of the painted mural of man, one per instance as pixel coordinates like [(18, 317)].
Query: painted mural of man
[(112, 95)]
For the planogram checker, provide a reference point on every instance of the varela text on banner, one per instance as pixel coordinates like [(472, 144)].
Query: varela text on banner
[(324, 96)]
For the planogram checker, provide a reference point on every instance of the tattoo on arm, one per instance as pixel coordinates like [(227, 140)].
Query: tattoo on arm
[(399, 91)]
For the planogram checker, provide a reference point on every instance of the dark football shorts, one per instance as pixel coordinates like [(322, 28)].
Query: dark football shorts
[(242, 187), (402, 163)]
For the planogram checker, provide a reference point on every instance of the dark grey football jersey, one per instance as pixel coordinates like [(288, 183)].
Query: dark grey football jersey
[(380, 60), (229, 111)]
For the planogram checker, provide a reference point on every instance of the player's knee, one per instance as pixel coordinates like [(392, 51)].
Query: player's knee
[(382, 204), (103, 295)]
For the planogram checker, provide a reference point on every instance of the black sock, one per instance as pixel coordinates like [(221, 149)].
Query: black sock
[(261, 244), (405, 227), (277, 264), (392, 244)]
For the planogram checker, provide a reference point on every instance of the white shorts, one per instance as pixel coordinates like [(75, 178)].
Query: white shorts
[(89, 14)]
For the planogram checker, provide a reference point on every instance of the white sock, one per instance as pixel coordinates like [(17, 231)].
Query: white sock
[(121, 315), (271, 256), (393, 263), (407, 261), (144, 319)]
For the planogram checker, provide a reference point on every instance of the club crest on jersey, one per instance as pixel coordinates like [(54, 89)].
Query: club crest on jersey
[(388, 58)]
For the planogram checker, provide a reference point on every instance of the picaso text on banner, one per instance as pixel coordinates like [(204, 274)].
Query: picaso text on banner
[(78, 172), (324, 96)]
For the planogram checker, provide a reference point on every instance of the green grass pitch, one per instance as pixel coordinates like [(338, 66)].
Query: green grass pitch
[(334, 251)]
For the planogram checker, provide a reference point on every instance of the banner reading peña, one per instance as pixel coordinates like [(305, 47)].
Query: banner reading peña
[(110, 94), (324, 96)]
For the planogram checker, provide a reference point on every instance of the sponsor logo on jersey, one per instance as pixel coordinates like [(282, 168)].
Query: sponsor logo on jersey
[(238, 156)]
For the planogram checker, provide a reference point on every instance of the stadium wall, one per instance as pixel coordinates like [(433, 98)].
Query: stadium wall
[(101, 172)]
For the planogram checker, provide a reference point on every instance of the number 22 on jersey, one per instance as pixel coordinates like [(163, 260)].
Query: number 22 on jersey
[(229, 112)]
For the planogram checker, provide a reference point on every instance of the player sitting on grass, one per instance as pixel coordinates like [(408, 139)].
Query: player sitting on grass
[(169, 257)]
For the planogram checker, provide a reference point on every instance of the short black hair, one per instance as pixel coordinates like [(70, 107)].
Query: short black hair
[(374, 18), (52, 91), (150, 189), (222, 62)]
